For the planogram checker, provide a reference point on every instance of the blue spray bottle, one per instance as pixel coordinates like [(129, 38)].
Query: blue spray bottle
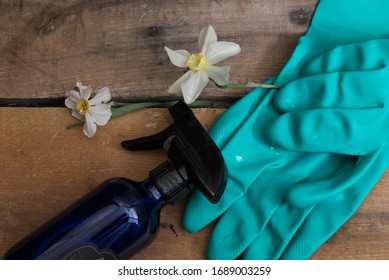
[(121, 216)]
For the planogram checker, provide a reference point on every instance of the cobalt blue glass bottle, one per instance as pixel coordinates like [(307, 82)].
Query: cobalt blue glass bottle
[(121, 216)]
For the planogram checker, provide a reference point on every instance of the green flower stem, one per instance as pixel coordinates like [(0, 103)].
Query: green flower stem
[(74, 125), (248, 85), (119, 104), (121, 108), (126, 108)]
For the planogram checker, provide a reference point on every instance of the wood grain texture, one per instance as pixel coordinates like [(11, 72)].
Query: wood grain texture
[(48, 45), (44, 168)]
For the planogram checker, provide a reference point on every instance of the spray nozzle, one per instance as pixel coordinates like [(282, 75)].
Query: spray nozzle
[(191, 151)]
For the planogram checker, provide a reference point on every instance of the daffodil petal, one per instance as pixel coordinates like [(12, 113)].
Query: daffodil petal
[(77, 115), (85, 91), (220, 75), (179, 57), (176, 86), (207, 37), (89, 126), (72, 98), (101, 113), (102, 96), (192, 88), (218, 51)]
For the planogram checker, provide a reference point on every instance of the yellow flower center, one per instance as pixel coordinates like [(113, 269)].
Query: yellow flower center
[(83, 106), (197, 62)]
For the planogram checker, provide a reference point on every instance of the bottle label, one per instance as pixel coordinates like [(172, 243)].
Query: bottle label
[(89, 251)]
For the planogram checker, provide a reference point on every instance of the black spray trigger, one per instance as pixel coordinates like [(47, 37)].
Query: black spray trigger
[(190, 150), (152, 142)]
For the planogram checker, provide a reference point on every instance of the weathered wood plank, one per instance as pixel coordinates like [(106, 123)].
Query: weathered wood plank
[(45, 167), (48, 45)]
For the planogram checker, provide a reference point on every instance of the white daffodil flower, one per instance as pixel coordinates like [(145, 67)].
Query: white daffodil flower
[(201, 65), (95, 111)]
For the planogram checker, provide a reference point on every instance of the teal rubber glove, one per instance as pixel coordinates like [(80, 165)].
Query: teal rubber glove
[(261, 220)]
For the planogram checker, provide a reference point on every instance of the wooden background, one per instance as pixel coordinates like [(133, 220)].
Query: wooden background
[(46, 46)]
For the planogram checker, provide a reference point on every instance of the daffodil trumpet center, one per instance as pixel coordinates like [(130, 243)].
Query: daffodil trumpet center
[(197, 62), (83, 106)]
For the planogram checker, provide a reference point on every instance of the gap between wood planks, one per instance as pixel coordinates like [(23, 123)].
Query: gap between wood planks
[(60, 101)]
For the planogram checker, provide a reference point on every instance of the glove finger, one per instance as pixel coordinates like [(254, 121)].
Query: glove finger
[(352, 57), (199, 212), (358, 89), (285, 220), (233, 233), (307, 194), (317, 228), (237, 229), (272, 241), (327, 216), (248, 216), (329, 130)]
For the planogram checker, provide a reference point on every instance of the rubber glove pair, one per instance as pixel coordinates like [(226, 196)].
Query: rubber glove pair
[(270, 230), (256, 220)]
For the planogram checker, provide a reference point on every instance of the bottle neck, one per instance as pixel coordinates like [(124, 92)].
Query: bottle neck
[(172, 183), (152, 193)]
